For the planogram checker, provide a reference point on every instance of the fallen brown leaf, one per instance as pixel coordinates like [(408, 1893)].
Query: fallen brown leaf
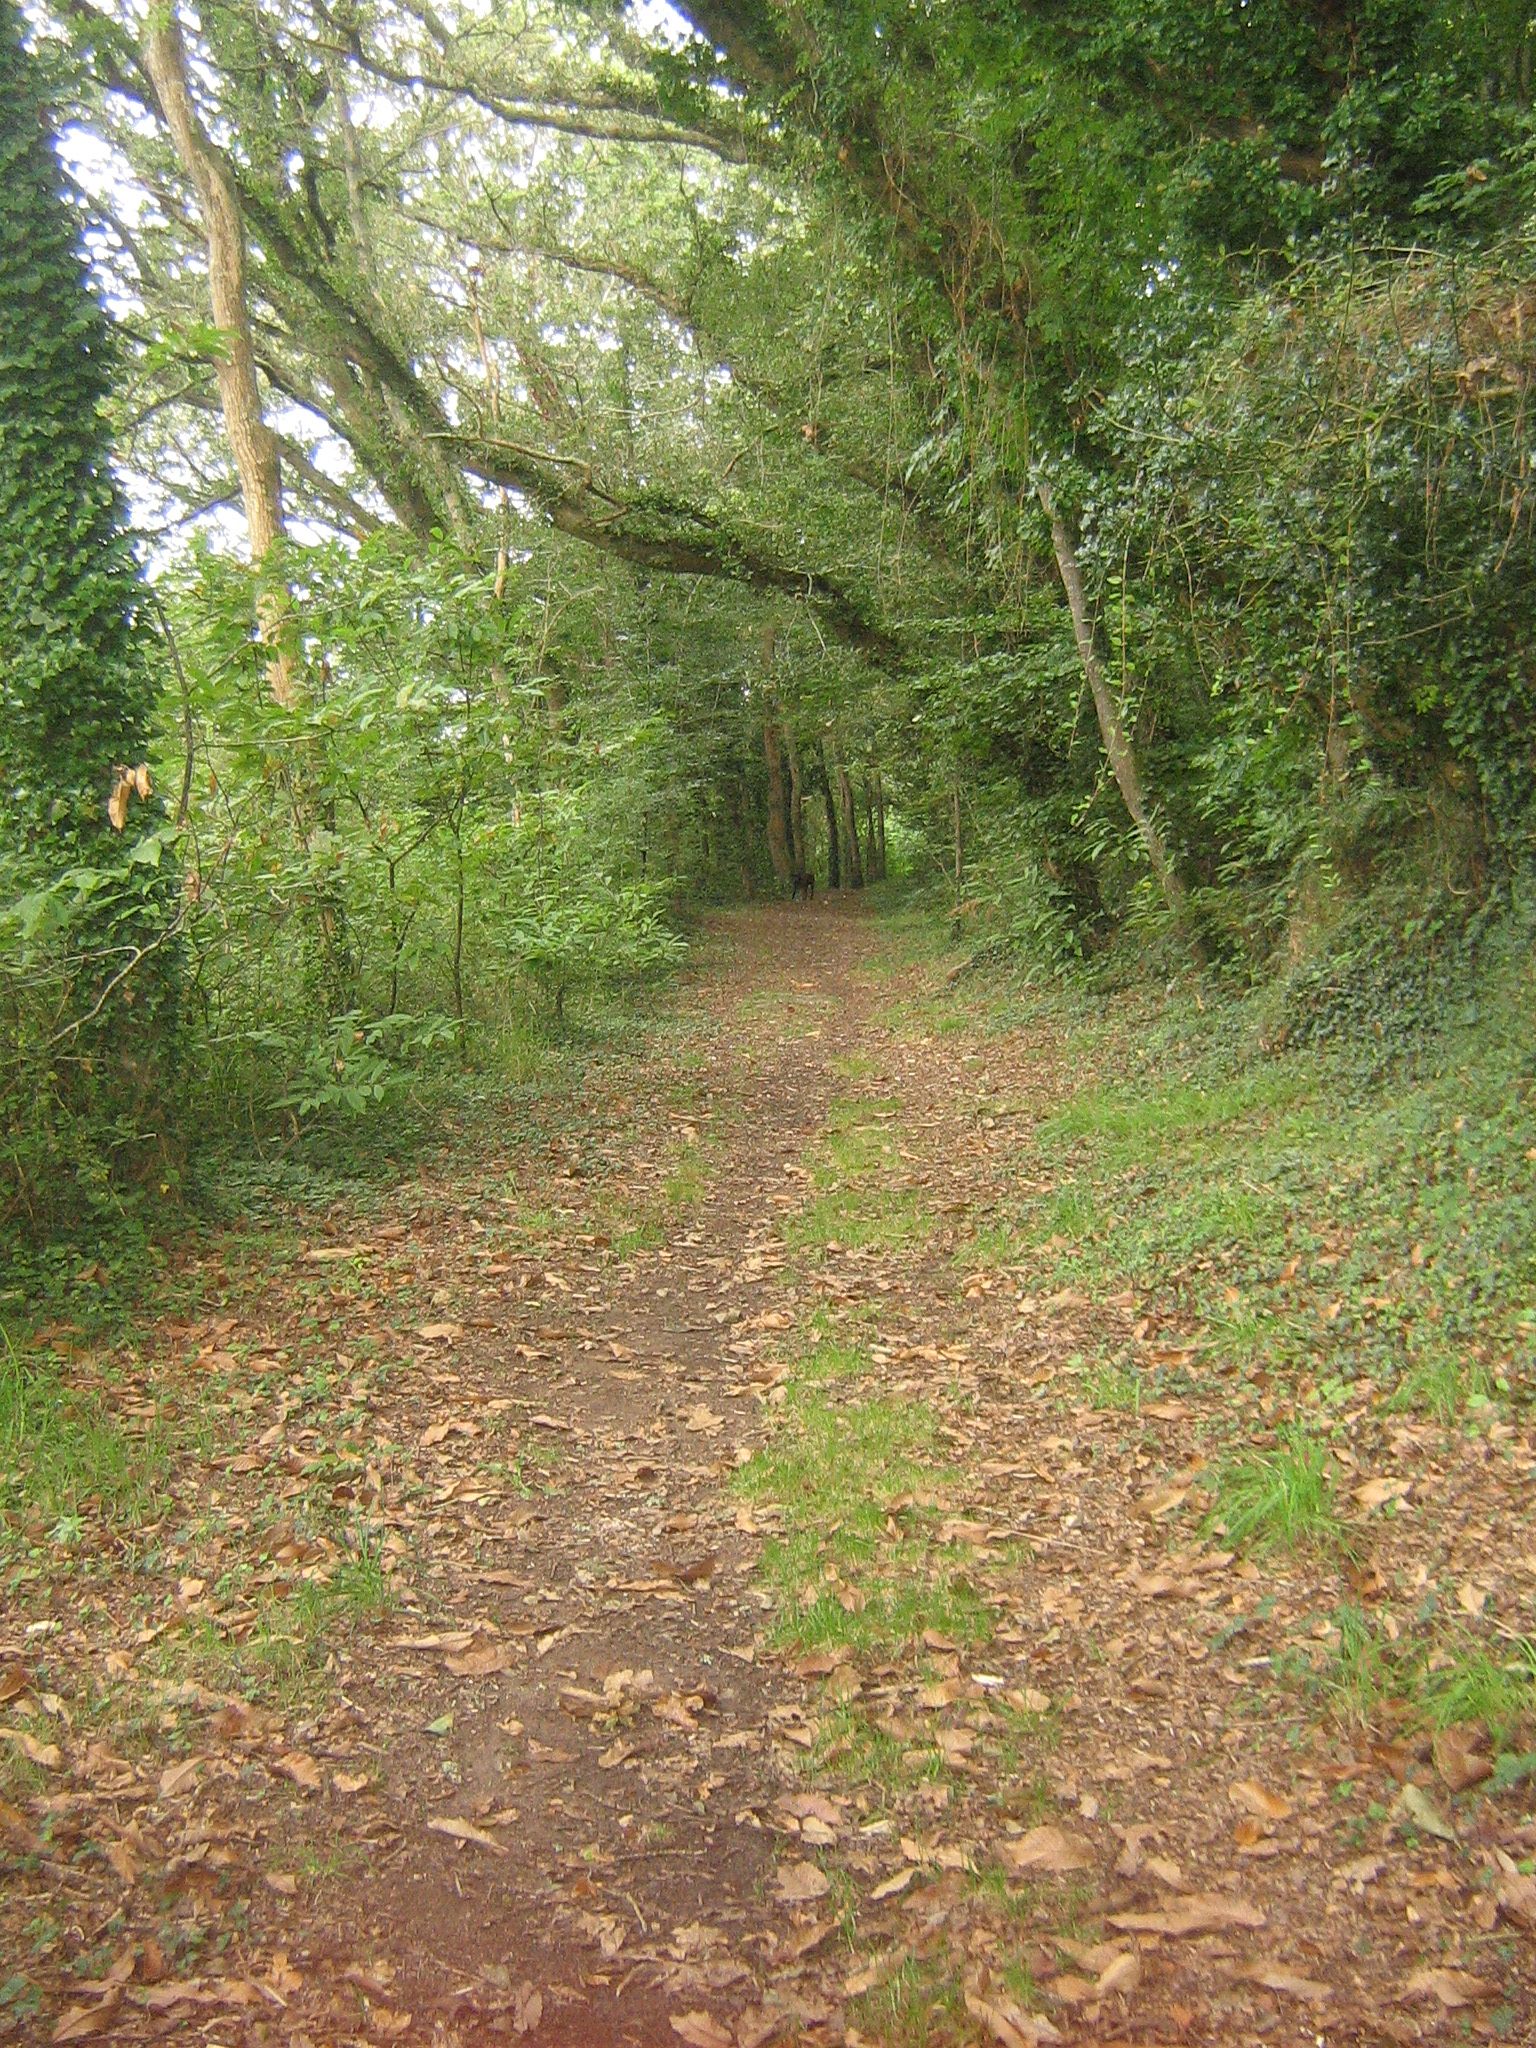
[(466, 1831), (485, 1660), (80, 2022), (1009, 2024), (700, 2031), (798, 1883), (1516, 1895), (1254, 1799), (46, 1755), (1450, 1988), (1122, 1975), (1050, 1849), (1458, 1761), (1274, 1978), (1200, 1913)]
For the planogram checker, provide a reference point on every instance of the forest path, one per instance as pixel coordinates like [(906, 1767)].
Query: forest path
[(765, 1634)]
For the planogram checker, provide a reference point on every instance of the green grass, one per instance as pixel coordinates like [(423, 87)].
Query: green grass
[(279, 1654), (852, 1169), (857, 1219), (857, 1565), (65, 1463), (918, 2006), (1318, 1216), (1134, 1127), (1475, 1685), (1282, 1499), (1114, 1388), (1431, 1676)]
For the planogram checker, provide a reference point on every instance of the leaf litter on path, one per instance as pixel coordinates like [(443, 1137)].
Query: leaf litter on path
[(575, 1775)]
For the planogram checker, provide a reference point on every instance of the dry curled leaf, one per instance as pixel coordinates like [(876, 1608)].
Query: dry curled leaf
[(46, 1755), (466, 1831), (1050, 1849), (1200, 1913), (1413, 1808), (700, 2031), (798, 1883), (1450, 1988), (16, 1829), (1253, 1798), (1375, 1493), (1008, 2023), (1458, 1761), (83, 2022), (527, 2009), (1516, 1894), (1122, 1975), (1274, 1978), (485, 1660)]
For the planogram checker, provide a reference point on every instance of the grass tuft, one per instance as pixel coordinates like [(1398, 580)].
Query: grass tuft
[(1282, 1499)]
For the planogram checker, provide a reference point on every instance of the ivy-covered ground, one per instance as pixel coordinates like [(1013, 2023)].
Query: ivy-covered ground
[(892, 1513)]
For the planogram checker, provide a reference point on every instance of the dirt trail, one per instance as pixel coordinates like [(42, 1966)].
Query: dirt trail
[(566, 1787), (634, 1741)]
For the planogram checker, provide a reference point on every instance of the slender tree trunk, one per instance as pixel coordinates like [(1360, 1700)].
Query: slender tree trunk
[(1117, 746), (850, 829), (871, 858), (743, 837), (959, 837), (254, 449), (778, 792), (834, 860), (250, 439), (879, 825), (796, 802), (458, 922)]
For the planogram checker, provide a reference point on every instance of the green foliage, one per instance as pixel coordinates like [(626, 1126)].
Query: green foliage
[(470, 859)]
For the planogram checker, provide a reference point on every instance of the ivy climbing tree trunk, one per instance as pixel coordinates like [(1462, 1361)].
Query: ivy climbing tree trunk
[(778, 836), (89, 1020), (773, 758)]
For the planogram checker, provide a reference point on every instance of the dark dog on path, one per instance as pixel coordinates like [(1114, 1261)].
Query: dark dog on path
[(805, 885)]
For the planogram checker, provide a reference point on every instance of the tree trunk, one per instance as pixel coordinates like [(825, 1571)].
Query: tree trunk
[(834, 859), (254, 449), (1117, 745), (796, 802), (743, 837), (778, 835), (850, 830), (879, 826), (959, 838), (871, 852), (250, 439), (778, 792)]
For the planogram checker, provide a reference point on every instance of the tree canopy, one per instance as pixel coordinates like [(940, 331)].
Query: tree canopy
[(675, 447)]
